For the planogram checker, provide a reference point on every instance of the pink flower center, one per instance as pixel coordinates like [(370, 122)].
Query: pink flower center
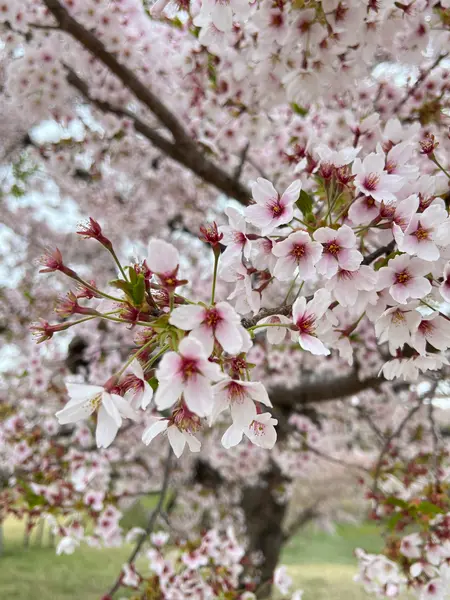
[(421, 233), (212, 318), (276, 208), (306, 325), (298, 251), (371, 181), (426, 327), (398, 317), (236, 393), (332, 247), (403, 277), (346, 275), (391, 166), (239, 238), (257, 427), (188, 368), (185, 420), (276, 19)]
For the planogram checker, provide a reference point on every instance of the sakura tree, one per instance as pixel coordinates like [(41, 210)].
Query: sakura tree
[(260, 288)]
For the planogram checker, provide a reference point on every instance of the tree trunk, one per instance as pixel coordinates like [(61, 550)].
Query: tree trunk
[(264, 517)]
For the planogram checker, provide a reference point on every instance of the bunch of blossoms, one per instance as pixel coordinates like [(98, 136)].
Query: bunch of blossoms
[(198, 376), (206, 567), (410, 501), (56, 473)]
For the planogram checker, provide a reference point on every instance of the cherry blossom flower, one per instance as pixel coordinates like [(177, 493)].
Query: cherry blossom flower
[(337, 158), (372, 180), (410, 546), (432, 329), (179, 434), (346, 285), (187, 372), (218, 323), (420, 237), (396, 326), (247, 299), (363, 210), (276, 335), (405, 278), (444, 288), (240, 396), (338, 250), (397, 161), (86, 399), (260, 432), (271, 210), (282, 581), (221, 12), (67, 545), (307, 316), (234, 235), (137, 387), (163, 260), (296, 253)]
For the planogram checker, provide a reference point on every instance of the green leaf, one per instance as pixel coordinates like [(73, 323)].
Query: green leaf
[(299, 110), (16, 191), (153, 383), (125, 286), (392, 522), (396, 502), (305, 203), (138, 290), (428, 508)]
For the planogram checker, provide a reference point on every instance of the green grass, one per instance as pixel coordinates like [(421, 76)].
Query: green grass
[(321, 564)]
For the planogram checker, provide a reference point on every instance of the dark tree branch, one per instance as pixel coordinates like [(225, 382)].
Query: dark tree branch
[(334, 460), (184, 149), (324, 390), (419, 82), (151, 522), (379, 252)]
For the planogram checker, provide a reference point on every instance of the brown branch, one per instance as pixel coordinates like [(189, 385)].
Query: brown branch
[(334, 460), (419, 82), (396, 434), (285, 310), (184, 150), (379, 252), (150, 525), (324, 390)]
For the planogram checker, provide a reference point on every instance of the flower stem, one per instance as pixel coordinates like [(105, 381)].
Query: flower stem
[(149, 363), (216, 264), (96, 291), (438, 164), (117, 261), (133, 356)]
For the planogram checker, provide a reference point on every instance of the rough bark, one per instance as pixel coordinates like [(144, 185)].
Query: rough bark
[(264, 518)]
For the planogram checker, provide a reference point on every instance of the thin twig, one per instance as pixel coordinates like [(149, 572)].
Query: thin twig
[(151, 522), (185, 150), (337, 461), (419, 82), (242, 159), (379, 252), (397, 433), (435, 438)]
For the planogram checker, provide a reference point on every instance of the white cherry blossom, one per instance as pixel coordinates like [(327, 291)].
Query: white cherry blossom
[(86, 399), (270, 209), (187, 372)]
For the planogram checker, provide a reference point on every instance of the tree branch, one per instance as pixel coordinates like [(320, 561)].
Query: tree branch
[(379, 252), (151, 522), (324, 390), (185, 150), (418, 83)]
